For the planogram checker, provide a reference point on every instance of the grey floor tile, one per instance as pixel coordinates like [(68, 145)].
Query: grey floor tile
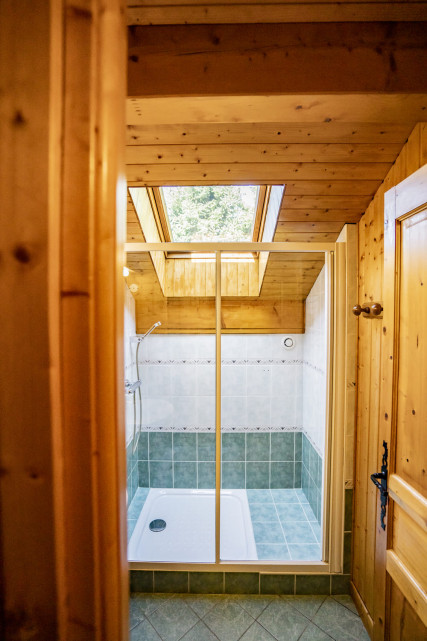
[(173, 619), (200, 632), (201, 603), (228, 620), (306, 605), (144, 632), (299, 532), (272, 552), (149, 603), (313, 633), (346, 601), (268, 532), (254, 604), (135, 613), (339, 622), (257, 633), (283, 621), (304, 552)]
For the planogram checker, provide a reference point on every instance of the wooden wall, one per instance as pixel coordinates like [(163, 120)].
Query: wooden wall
[(62, 444), (367, 576)]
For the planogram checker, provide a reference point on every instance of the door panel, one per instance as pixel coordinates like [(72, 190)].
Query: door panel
[(404, 375)]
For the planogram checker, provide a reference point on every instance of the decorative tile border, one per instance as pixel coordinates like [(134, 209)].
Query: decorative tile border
[(153, 581), (237, 428)]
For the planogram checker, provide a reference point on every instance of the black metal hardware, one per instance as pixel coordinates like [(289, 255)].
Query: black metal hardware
[(382, 476)]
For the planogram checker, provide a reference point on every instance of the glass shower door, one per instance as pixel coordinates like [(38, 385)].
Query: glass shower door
[(273, 405)]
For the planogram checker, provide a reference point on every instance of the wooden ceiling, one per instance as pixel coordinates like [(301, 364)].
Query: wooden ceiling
[(318, 96)]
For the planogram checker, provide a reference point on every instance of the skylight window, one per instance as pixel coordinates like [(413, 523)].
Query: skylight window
[(209, 213)]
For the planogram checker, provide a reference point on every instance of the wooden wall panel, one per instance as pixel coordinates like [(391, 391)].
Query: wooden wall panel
[(366, 577)]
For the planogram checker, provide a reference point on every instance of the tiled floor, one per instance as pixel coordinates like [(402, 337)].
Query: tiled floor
[(284, 525), (168, 617)]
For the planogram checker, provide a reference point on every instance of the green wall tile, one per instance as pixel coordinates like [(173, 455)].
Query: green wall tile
[(282, 475), (141, 581), (184, 447), (142, 450), (312, 584), (143, 478), (347, 553), (297, 474), (257, 447), (160, 446), (233, 476), (207, 582), (206, 476), (185, 474), (340, 584), (277, 583), (257, 475), (233, 447), (241, 583), (170, 581), (282, 446), (161, 474), (348, 515), (298, 446), (206, 447)]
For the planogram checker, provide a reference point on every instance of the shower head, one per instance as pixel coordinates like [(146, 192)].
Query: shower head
[(140, 337)]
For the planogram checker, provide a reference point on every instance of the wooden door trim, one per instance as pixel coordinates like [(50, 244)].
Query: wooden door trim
[(362, 610), (414, 503), (408, 585)]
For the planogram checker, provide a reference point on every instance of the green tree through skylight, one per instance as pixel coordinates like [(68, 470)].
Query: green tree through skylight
[(211, 213)]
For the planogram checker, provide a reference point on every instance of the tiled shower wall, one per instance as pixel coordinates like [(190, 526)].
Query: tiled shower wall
[(249, 460), (261, 382)]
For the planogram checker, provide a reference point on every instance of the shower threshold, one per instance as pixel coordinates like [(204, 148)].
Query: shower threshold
[(189, 535)]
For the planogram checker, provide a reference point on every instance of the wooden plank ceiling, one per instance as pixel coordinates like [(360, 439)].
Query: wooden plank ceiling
[(324, 108)]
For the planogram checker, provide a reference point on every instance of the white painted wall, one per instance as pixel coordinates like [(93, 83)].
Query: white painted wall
[(314, 365)]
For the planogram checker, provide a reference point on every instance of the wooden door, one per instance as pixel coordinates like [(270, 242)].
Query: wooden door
[(403, 418)]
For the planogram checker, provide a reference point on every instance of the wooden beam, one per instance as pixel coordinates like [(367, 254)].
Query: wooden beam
[(297, 108), (250, 153), (268, 133), (357, 203), (318, 215), (211, 12), (250, 173), (278, 58)]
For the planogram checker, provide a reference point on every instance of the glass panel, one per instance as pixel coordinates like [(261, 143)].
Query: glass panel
[(273, 390), (171, 475), (211, 213)]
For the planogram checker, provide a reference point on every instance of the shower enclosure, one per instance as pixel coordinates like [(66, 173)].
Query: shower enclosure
[(231, 465)]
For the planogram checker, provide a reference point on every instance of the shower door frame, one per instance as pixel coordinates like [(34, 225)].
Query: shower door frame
[(333, 481)]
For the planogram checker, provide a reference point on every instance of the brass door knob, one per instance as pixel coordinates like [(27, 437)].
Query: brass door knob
[(376, 309), (357, 310)]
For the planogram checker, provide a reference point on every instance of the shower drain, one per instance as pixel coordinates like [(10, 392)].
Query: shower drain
[(158, 525)]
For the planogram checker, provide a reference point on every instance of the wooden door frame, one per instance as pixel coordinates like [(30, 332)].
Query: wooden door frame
[(62, 439)]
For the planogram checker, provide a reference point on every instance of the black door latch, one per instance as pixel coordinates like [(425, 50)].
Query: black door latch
[(382, 485)]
